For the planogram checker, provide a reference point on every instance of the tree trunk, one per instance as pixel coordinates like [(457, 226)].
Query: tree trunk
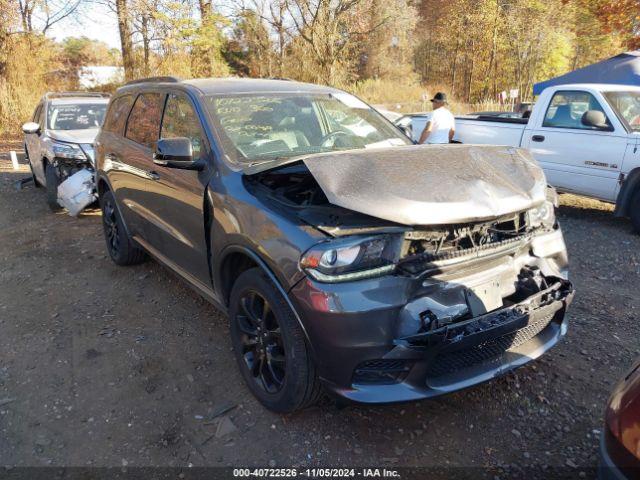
[(492, 59), (204, 53), (126, 44), (454, 67), (471, 65), (205, 9), (145, 45)]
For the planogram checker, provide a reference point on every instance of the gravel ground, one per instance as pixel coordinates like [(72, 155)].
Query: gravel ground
[(110, 366)]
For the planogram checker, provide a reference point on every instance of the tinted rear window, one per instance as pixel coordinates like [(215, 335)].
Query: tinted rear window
[(117, 114), (143, 126)]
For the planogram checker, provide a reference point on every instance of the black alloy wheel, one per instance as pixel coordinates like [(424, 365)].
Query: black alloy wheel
[(267, 337), (111, 230), (122, 249), (262, 348)]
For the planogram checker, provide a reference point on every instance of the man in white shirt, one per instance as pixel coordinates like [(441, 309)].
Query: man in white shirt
[(441, 125)]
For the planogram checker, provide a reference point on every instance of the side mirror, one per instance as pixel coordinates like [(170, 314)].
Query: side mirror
[(596, 119), (31, 127), (176, 153)]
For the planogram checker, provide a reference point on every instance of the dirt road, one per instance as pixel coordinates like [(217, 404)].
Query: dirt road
[(109, 366)]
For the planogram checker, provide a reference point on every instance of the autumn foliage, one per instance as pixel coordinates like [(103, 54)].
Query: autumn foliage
[(393, 51)]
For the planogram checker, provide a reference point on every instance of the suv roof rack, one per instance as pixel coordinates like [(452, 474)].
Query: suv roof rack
[(50, 95), (167, 79)]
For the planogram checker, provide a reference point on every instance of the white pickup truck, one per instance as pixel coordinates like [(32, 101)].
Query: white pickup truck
[(586, 137)]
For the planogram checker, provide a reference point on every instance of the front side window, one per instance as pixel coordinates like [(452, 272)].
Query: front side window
[(117, 114), (267, 127), (181, 120), (75, 117), (567, 108), (627, 107), (143, 126)]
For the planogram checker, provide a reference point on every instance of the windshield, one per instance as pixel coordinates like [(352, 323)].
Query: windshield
[(76, 117), (627, 107), (275, 126)]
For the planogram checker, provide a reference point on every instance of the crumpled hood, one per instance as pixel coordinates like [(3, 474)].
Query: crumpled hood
[(431, 184), (86, 135)]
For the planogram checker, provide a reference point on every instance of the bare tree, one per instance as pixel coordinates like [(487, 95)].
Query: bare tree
[(331, 31), (40, 15)]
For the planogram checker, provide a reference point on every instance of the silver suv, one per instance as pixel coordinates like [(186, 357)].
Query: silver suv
[(58, 141)]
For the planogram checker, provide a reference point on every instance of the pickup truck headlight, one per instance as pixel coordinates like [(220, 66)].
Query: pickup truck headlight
[(352, 258), (543, 215), (68, 150)]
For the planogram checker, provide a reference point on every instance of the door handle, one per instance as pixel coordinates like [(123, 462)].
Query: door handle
[(153, 175), (538, 138)]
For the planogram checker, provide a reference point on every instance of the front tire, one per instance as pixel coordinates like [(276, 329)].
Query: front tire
[(634, 211), (121, 248), (51, 176), (36, 183), (270, 346)]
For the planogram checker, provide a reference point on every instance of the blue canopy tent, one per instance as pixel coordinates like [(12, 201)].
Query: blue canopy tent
[(623, 69)]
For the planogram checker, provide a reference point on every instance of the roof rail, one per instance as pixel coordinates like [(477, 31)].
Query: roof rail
[(50, 95), (167, 79)]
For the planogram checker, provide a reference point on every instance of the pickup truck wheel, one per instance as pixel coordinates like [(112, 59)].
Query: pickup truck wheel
[(121, 248), (634, 211), (51, 176), (269, 345)]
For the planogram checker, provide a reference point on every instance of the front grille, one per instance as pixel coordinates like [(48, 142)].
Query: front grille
[(380, 372), (448, 363)]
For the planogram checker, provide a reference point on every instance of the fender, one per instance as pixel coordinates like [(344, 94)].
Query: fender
[(265, 268), (629, 187)]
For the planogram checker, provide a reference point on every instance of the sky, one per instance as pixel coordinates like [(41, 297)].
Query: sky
[(96, 21)]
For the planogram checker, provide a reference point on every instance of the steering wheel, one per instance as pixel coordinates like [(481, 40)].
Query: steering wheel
[(332, 137)]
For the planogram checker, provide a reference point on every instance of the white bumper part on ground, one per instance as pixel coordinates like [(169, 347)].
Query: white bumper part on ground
[(77, 191)]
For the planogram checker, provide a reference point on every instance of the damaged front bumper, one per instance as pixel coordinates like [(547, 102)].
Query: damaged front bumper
[(77, 191), (461, 355), (381, 341)]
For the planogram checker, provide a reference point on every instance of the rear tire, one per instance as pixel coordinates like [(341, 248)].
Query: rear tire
[(122, 249), (51, 176), (634, 211), (270, 346)]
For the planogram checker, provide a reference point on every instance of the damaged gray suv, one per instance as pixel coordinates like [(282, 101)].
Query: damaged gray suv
[(345, 257)]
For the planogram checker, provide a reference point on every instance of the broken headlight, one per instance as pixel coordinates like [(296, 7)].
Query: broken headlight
[(68, 150), (352, 258), (89, 152), (543, 215)]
